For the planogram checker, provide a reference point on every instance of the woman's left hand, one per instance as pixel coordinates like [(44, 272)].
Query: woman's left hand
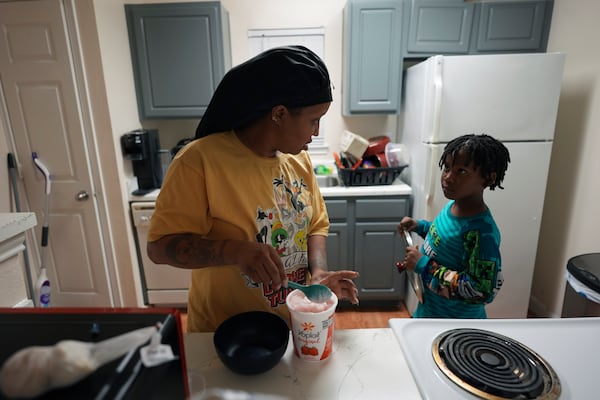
[(340, 282)]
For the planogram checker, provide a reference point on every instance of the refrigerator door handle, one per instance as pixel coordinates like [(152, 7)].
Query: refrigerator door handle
[(430, 196), (433, 198), (437, 97), (430, 189), (435, 134), (429, 214)]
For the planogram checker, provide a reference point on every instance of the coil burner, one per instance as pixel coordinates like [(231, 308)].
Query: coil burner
[(492, 366)]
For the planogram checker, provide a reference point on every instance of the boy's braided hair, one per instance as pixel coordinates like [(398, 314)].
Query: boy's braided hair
[(487, 153)]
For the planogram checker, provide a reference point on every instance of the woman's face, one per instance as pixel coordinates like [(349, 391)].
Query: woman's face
[(299, 126)]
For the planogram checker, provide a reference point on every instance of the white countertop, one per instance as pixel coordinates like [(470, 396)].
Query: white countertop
[(13, 224), (365, 364), (13, 281), (398, 188)]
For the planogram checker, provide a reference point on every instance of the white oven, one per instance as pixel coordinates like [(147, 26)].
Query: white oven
[(568, 347), (162, 285)]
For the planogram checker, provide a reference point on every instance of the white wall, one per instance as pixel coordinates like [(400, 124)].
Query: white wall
[(572, 211)]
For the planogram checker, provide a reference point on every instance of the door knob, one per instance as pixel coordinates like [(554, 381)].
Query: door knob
[(82, 196)]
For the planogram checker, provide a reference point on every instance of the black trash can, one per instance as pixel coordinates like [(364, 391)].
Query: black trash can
[(582, 293)]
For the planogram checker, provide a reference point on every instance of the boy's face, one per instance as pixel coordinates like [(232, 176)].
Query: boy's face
[(460, 178)]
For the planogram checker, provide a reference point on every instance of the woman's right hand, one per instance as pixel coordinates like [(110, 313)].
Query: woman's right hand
[(407, 224), (260, 262)]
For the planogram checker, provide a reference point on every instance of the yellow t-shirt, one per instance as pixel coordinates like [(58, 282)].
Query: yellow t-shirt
[(217, 188)]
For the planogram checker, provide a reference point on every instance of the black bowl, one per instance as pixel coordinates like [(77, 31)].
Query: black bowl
[(252, 342)]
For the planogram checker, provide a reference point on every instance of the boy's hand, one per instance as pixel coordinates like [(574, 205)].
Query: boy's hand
[(413, 255), (410, 259), (407, 224)]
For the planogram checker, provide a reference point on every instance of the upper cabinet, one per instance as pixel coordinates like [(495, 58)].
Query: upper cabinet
[(380, 34), (458, 27), (180, 52), (436, 26), (514, 26), (372, 56)]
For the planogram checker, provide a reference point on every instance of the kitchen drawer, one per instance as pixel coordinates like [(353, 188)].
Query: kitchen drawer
[(337, 209), (381, 208)]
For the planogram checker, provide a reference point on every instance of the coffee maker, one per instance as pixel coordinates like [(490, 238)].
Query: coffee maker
[(142, 147)]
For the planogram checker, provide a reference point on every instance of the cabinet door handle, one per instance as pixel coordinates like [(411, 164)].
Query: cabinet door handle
[(82, 196)]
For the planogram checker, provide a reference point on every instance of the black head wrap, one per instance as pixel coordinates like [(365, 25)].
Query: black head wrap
[(292, 76)]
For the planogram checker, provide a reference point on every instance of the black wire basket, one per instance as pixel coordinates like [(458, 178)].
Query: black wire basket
[(369, 176)]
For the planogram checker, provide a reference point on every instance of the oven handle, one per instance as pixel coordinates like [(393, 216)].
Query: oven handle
[(142, 213)]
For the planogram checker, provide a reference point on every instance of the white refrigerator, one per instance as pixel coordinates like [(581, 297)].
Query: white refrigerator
[(512, 97)]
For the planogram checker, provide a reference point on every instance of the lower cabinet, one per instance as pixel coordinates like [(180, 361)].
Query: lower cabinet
[(337, 246), (363, 237), (378, 247)]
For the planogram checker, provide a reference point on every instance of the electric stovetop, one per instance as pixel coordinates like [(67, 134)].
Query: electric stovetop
[(569, 345)]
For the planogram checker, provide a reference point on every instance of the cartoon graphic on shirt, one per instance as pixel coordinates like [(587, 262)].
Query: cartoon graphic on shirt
[(295, 191), (285, 227), (279, 238)]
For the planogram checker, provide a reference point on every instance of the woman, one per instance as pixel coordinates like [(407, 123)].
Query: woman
[(240, 205)]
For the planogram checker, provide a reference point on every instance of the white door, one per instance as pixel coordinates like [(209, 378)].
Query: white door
[(42, 111)]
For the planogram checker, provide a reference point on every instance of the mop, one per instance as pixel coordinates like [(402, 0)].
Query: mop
[(12, 172), (43, 283)]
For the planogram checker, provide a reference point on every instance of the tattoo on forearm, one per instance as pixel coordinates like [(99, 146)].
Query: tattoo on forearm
[(318, 262), (192, 251)]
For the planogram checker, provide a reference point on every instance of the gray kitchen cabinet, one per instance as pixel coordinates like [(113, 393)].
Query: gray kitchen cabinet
[(379, 35), (180, 52), (372, 56), (436, 26), (363, 237), (338, 238), (513, 26), (458, 27)]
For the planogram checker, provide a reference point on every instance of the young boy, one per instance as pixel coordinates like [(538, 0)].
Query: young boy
[(459, 261)]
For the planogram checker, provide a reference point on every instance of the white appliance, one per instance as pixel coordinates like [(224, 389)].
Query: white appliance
[(568, 345), (512, 97), (162, 285), (16, 284)]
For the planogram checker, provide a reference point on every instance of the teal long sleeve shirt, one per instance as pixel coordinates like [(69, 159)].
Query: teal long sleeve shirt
[(460, 266)]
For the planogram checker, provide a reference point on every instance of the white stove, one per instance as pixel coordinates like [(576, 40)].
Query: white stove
[(570, 346)]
